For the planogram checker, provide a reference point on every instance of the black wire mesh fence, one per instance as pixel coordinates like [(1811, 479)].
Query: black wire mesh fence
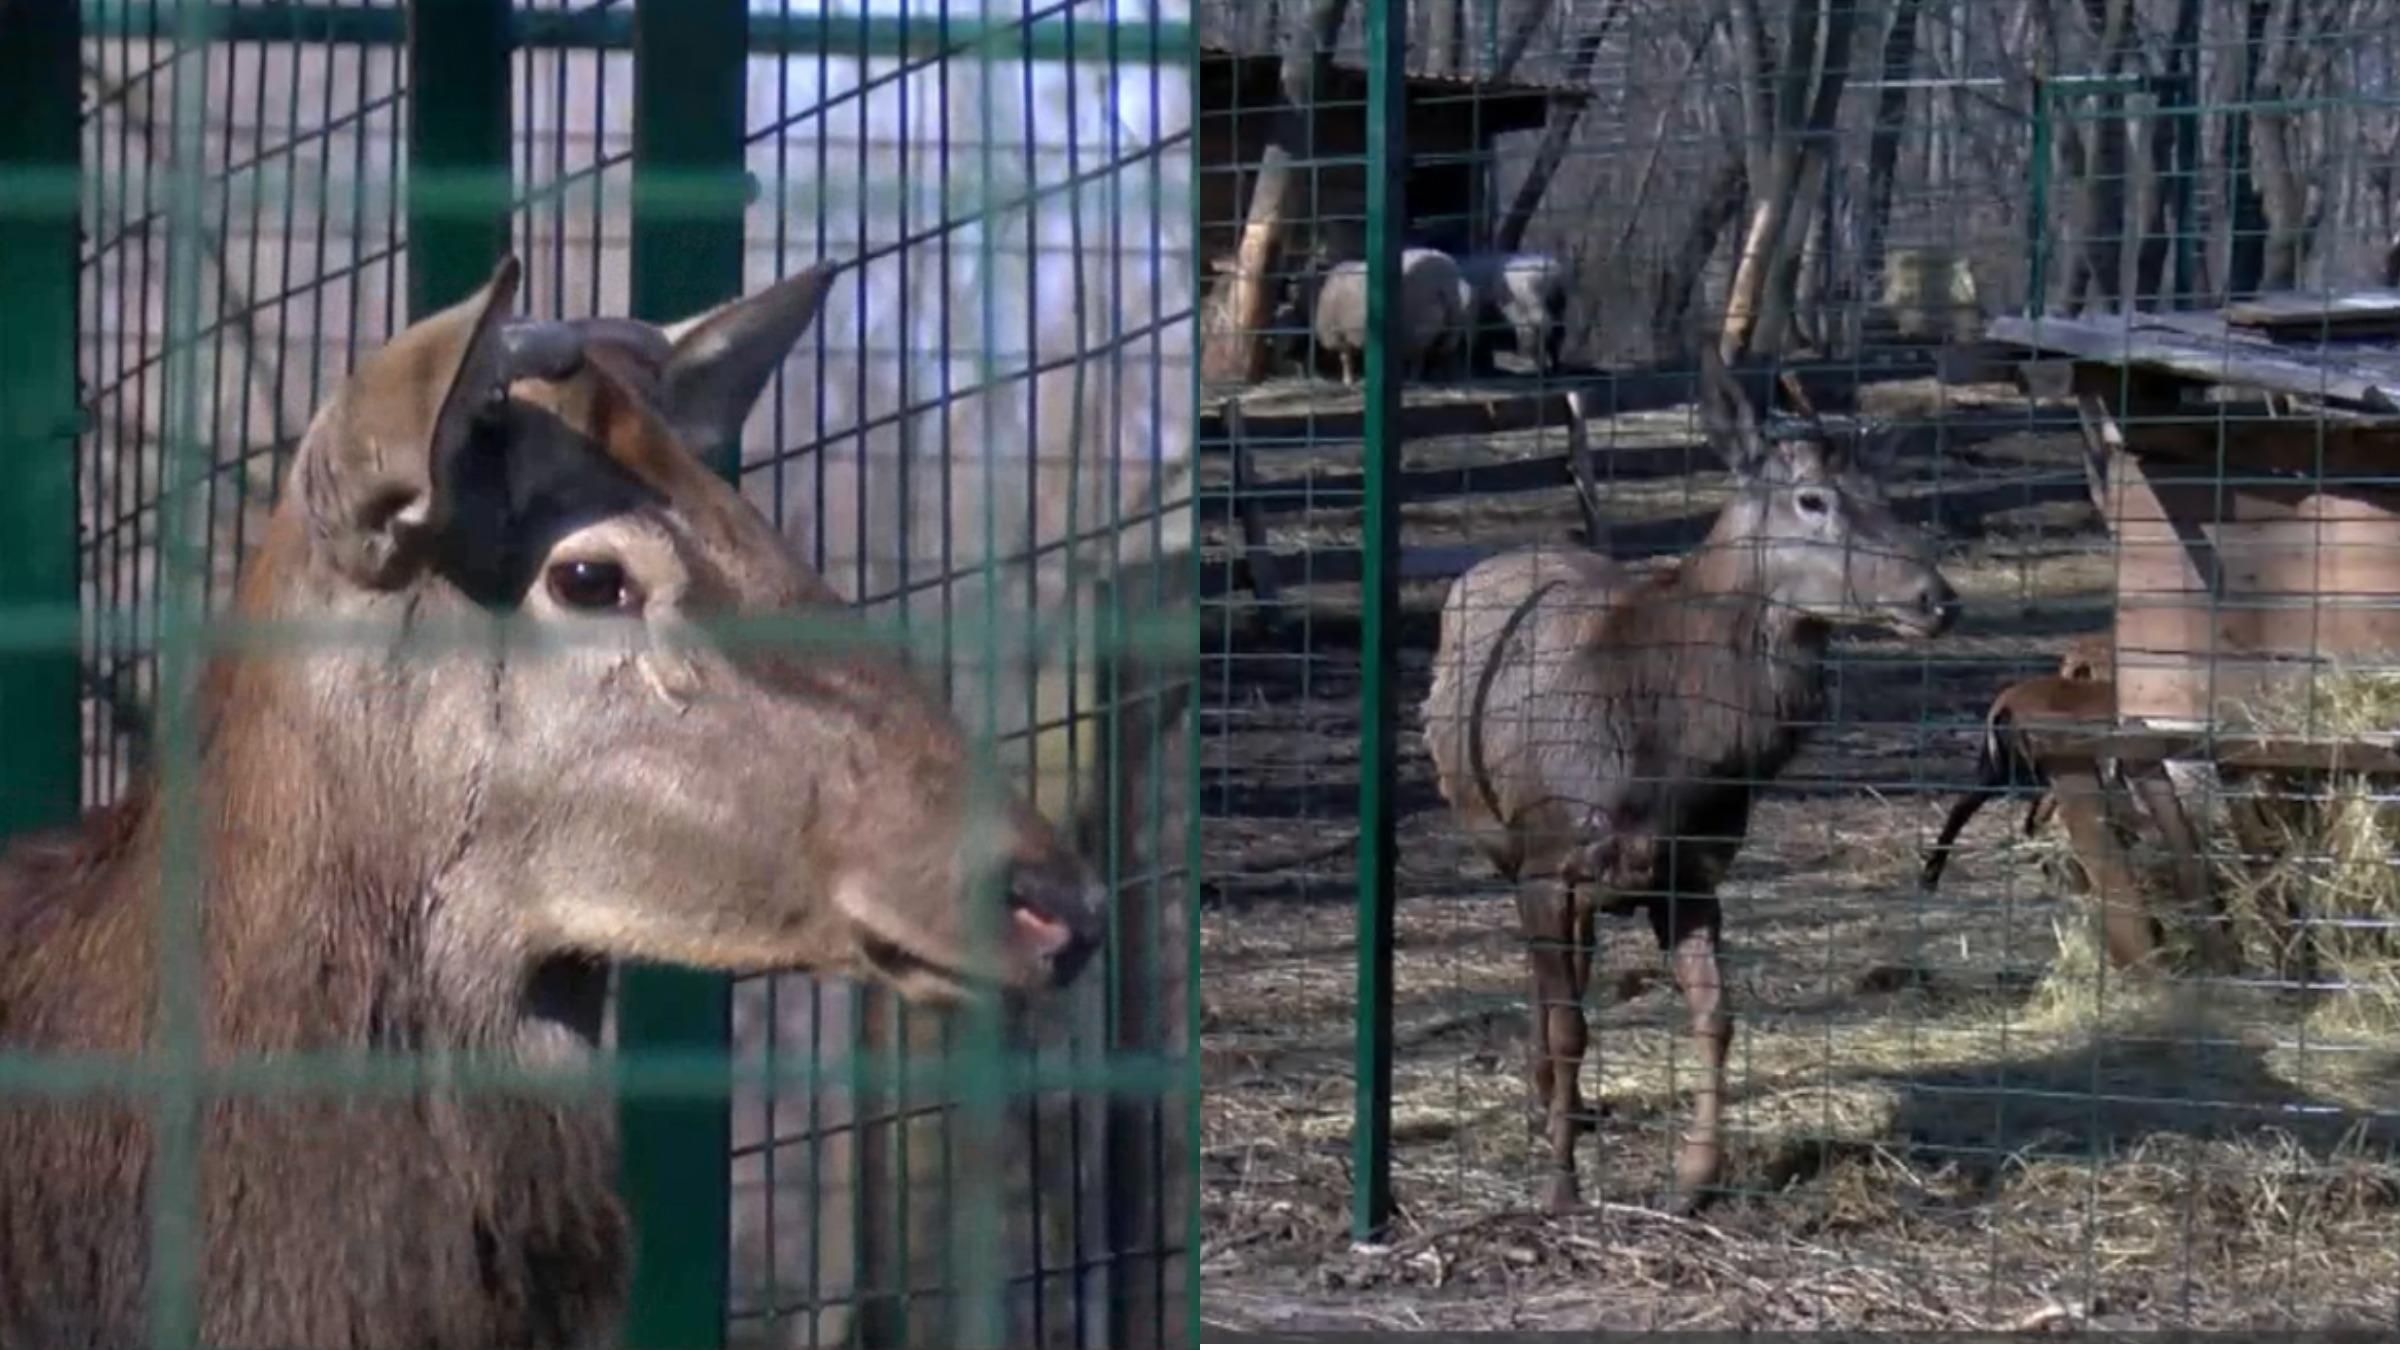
[(2078, 308), (981, 444)]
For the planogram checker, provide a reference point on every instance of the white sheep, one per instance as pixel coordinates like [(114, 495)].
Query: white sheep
[(1522, 295), (1431, 319)]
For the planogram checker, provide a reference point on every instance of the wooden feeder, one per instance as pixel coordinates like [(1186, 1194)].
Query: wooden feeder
[(2258, 546)]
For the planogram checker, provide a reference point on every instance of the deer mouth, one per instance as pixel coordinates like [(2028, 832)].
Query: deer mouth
[(1038, 949), (918, 978), (1927, 614)]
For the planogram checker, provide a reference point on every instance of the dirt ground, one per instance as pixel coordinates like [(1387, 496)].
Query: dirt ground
[(1940, 1126)]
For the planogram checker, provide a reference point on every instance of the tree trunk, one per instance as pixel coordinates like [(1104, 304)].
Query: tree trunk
[(1783, 312), (1519, 38), (1808, 96), (1556, 134), (1237, 349), (2170, 174), (1679, 277), (2246, 250), (2099, 211), (2280, 178), (1891, 118)]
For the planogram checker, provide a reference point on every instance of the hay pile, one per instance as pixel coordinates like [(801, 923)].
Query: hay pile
[(2308, 873), (2324, 856)]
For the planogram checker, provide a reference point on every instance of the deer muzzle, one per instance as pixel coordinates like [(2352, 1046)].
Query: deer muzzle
[(1927, 611), (1057, 918)]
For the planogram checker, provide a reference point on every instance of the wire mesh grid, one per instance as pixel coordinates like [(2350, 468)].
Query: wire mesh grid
[(982, 444), (2121, 1075)]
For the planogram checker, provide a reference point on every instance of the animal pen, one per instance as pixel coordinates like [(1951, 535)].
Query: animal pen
[(209, 210), (1920, 224)]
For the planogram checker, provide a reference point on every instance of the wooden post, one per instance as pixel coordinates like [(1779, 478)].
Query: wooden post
[(1241, 302), (1586, 473), (1258, 558), (2085, 808)]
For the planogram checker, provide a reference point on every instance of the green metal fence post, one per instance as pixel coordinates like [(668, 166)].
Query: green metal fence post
[(41, 148), (458, 134), (1387, 164), (690, 92)]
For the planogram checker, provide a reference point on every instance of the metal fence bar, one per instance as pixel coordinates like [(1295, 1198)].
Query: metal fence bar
[(688, 106), (178, 1107), (613, 29), (1379, 599), (39, 720), (459, 47)]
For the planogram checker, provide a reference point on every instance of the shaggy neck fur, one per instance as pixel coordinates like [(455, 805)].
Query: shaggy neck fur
[(1644, 714), (440, 1220)]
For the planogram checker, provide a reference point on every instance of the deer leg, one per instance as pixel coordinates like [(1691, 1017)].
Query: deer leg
[(1961, 811), (1688, 928), (1560, 968), (2038, 813)]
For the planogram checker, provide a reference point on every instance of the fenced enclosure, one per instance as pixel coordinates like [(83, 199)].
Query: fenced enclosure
[(2103, 281), (983, 444)]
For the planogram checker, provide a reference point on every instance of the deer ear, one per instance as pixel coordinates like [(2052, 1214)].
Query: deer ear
[(1726, 413), (720, 361), (380, 462)]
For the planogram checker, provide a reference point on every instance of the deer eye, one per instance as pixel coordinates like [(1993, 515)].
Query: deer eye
[(587, 585), (1813, 503)]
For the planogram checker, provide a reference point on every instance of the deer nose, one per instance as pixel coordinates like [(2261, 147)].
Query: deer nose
[(1057, 916)]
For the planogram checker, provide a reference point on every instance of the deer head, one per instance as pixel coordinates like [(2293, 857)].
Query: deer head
[(1811, 516), (623, 784)]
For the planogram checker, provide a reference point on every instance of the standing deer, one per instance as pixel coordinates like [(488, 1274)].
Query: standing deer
[(1602, 736), (438, 853)]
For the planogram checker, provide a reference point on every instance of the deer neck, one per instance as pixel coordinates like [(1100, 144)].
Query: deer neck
[(1726, 581), (328, 918)]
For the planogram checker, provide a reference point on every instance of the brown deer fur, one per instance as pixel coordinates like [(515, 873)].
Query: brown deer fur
[(1602, 736), (436, 852), (2083, 691)]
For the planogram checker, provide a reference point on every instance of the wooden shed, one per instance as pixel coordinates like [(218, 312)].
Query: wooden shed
[(1453, 121)]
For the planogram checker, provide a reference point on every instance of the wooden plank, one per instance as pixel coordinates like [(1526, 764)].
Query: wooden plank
[(2375, 309), (1542, 473), (2092, 812), (2322, 452), (2285, 754), (2103, 443), (1342, 567), (1585, 474), (2365, 377), (1258, 560), (1529, 405)]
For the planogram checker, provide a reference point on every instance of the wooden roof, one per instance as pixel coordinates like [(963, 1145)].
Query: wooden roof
[(2343, 349)]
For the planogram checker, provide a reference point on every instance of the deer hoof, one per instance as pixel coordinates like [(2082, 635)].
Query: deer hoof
[(1685, 1201), (1698, 1167), (1560, 1195)]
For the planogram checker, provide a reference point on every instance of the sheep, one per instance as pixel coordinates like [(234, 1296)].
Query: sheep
[(1522, 296), (1430, 318)]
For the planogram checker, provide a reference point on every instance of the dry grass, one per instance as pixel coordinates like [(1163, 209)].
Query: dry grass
[(2330, 861), (1947, 1116), (1922, 1142)]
